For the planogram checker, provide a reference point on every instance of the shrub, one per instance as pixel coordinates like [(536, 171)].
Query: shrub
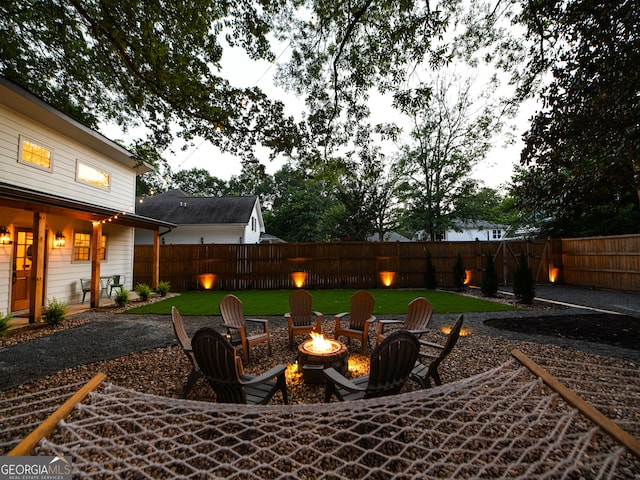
[(122, 297), (55, 312), (489, 284), (430, 272), (163, 288), (144, 291), (524, 287), (459, 275), (4, 323)]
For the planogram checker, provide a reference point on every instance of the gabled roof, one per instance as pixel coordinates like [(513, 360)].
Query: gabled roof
[(178, 207)]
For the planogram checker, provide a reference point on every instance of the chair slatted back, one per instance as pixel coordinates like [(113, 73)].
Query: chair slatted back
[(178, 328), (419, 314), (454, 334), (231, 310), (362, 303), (300, 302), (391, 363), (217, 360)]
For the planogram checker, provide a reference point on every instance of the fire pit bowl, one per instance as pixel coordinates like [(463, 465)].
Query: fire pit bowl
[(315, 355)]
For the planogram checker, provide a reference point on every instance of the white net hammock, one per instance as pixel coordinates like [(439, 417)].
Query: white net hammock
[(504, 423)]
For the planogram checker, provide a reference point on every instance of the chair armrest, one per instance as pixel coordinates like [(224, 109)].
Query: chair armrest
[(371, 319), (287, 315), (389, 322), (318, 314), (339, 316), (337, 379), (257, 320), (424, 343), (266, 376), (419, 332)]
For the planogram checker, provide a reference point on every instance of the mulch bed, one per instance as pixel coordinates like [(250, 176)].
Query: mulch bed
[(617, 330)]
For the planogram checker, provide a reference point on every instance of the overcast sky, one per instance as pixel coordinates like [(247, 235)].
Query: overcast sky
[(495, 171)]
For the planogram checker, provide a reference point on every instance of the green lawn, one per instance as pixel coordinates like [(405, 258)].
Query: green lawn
[(276, 302)]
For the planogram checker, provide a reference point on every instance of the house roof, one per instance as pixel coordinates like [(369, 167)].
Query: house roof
[(26, 103), (178, 207), (27, 199)]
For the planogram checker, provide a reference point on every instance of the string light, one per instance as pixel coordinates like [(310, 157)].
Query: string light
[(109, 219)]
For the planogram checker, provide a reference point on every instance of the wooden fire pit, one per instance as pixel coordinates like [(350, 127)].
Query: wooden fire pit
[(312, 363)]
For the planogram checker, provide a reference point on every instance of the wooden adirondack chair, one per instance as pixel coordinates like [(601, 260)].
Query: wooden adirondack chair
[(223, 369), (360, 318), (418, 317), (185, 343), (426, 368), (302, 319), (236, 325), (391, 363)]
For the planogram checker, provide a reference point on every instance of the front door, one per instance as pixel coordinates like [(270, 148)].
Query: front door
[(21, 279)]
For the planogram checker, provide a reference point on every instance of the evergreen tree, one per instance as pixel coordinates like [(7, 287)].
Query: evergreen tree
[(489, 284), (459, 275), (524, 287), (430, 272)]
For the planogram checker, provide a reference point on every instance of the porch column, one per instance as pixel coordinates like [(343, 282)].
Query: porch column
[(96, 237), (155, 275), (37, 267)]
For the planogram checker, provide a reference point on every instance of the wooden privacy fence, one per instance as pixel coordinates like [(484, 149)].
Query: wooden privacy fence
[(598, 262), (332, 265)]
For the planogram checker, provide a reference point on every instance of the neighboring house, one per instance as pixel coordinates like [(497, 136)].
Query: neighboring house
[(479, 230), (469, 231), (67, 197), (388, 237), (202, 220)]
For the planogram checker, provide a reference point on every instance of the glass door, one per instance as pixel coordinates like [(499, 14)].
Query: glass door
[(21, 278)]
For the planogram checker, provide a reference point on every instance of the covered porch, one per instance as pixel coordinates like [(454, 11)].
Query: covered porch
[(39, 253)]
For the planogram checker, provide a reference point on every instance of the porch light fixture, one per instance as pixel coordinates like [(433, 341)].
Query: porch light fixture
[(5, 236), (59, 241)]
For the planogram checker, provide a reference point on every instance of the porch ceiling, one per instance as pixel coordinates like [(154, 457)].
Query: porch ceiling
[(31, 200)]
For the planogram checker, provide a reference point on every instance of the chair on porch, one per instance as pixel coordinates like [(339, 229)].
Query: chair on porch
[(223, 369), (390, 364), (236, 324), (85, 285), (185, 343), (418, 317), (302, 319), (117, 281), (360, 318)]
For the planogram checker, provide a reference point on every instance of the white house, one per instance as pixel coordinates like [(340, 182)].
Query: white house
[(469, 232), (479, 230), (67, 197), (202, 220)]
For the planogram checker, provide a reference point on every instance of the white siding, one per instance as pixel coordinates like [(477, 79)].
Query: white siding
[(62, 179), (194, 234), (472, 234), (62, 275)]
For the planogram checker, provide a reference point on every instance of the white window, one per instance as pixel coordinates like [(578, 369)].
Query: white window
[(35, 154), (92, 175), (82, 247), (497, 234)]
